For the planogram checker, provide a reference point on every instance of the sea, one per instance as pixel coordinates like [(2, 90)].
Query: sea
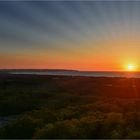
[(79, 73)]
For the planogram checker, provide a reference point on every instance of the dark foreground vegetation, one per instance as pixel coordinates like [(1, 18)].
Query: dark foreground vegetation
[(69, 107)]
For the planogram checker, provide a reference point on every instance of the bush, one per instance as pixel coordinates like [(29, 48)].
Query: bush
[(59, 130), (21, 129)]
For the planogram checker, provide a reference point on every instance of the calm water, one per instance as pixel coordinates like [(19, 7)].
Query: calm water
[(81, 73)]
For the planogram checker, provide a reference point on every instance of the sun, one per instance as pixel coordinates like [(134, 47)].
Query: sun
[(131, 67)]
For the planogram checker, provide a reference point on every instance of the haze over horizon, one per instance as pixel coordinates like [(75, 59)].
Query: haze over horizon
[(77, 35)]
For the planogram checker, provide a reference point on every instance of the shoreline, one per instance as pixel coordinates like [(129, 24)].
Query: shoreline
[(63, 75)]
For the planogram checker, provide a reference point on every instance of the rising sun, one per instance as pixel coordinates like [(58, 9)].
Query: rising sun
[(131, 67)]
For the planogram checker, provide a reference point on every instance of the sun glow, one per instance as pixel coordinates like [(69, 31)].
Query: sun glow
[(131, 67)]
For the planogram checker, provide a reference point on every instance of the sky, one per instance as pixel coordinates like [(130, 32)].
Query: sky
[(79, 35)]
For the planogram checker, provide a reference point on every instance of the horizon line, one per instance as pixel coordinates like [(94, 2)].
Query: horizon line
[(68, 70)]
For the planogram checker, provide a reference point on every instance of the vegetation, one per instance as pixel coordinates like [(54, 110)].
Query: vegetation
[(69, 107)]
